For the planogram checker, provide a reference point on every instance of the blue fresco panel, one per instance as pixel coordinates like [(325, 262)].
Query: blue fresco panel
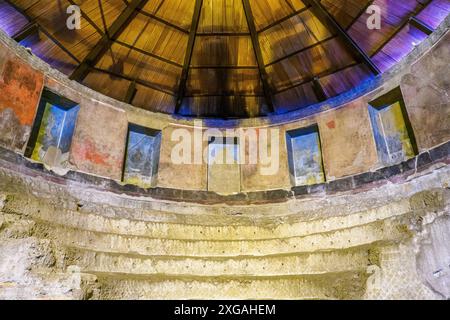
[(305, 157), (142, 158), (55, 135)]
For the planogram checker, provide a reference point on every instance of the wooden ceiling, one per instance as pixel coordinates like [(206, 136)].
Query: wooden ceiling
[(221, 58)]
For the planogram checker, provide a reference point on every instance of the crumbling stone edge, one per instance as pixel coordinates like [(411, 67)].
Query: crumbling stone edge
[(354, 184)]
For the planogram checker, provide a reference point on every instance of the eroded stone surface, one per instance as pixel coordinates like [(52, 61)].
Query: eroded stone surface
[(426, 92), (74, 244), (433, 258), (20, 88)]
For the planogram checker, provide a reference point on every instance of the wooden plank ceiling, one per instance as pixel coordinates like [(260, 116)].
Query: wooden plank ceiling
[(221, 58)]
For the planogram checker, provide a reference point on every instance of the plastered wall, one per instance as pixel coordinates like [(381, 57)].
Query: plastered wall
[(20, 90), (348, 147), (98, 144), (426, 91)]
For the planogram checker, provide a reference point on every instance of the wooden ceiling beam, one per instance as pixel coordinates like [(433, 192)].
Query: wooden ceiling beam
[(107, 39), (406, 21), (28, 30), (258, 54), (328, 20), (149, 54), (137, 81), (188, 56), (318, 90), (318, 76), (32, 20), (275, 23), (87, 18), (223, 34), (296, 52), (225, 67), (360, 13), (131, 93), (165, 22), (422, 26)]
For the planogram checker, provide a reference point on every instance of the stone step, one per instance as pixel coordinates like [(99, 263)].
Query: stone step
[(50, 285), (80, 196), (392, 229), (253, 230), (347, 285), (173, 231), (281, 265)]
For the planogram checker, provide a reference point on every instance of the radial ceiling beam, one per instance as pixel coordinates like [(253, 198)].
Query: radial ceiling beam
[(32, 21), (328, 20), (275, 23), (165, 22), (86, 17), (318, 90), (131, 93), (107, 39), (188, 56), (258, 53)]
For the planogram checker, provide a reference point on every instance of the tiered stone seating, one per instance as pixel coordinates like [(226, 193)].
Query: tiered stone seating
[(117, 251)]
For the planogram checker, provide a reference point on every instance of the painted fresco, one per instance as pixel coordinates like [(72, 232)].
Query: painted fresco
[(142, 158), (99, 141), (305, 157), (20, 88), (224, 175), (391, 134), (55, 135)]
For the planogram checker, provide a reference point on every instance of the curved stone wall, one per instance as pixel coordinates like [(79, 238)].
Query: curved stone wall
[(371, 231), (346, 135)]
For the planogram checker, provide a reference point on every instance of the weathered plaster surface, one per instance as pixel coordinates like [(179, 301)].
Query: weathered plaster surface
[(20, 88), (347, 142), (433, 259), (224, 176), (253, 176), (190, 176), (98, 144), (426, 91)]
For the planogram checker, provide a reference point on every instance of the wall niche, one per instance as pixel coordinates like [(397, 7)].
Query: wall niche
[(392, 129), (54, 125), (224, 172), (305, 156), (142, 156)]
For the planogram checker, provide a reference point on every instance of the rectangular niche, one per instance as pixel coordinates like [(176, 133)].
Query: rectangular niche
[(142, 156), (305, 156), (392, 130), (224, 173), (53, 129)]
